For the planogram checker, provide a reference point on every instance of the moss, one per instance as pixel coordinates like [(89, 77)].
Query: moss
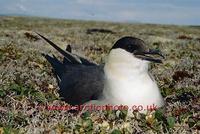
[(26, 76)]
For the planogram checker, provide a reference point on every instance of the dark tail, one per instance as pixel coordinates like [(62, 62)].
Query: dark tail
[(66, 54), (58, 67), (69, 57)]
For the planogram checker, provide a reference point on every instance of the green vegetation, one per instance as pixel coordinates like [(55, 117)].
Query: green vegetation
[(27, 83)]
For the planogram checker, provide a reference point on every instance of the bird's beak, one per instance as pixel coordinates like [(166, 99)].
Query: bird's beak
[(151, 55)]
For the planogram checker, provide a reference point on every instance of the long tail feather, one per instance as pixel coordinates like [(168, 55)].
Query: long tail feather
[(67, 55)]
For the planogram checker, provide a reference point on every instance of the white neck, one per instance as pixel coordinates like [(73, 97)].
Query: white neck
[(128, 81), (121, 62)]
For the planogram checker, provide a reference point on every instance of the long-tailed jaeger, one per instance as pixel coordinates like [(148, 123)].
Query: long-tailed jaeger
[(124, 79)]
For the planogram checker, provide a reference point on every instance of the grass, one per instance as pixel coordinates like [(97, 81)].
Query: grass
[(27, 83)]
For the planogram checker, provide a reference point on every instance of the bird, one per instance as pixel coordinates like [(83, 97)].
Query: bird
[(124, 78)]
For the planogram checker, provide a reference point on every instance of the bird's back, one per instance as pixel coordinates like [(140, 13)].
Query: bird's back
[(79, 79)]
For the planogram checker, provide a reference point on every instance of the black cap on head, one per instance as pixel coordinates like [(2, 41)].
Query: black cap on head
[(137, 47), (130, 44)]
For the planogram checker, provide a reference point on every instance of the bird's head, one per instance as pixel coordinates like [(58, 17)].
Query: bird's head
[(136, 47)]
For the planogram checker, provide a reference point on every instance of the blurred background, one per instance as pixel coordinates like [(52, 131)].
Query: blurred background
[(28, 84), (181, 12)]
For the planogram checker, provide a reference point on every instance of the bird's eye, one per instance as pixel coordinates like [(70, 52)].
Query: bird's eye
[(129, 46)]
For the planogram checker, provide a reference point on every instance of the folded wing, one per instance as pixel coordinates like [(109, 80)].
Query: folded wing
[(79, 79)]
